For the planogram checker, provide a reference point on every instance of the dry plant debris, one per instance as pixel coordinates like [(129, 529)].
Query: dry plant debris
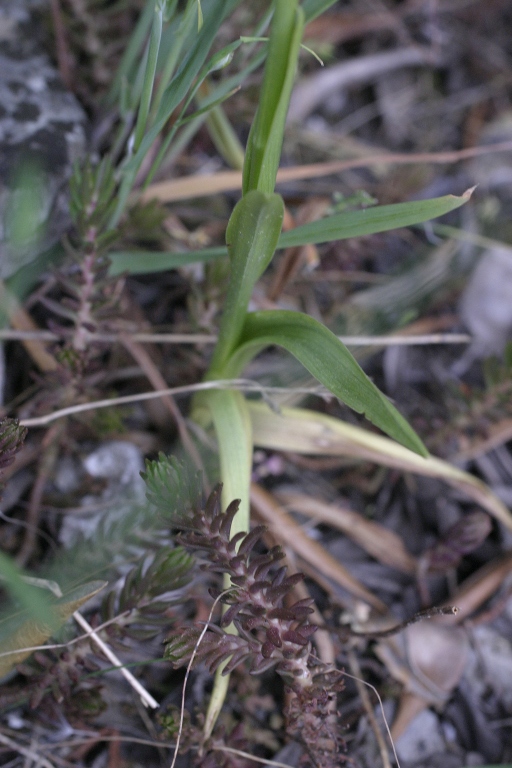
[(414, 102)]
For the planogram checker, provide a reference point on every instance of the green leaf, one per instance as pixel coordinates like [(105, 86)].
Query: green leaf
[(172, 487), (127, 65), (218, 61), (368, 221), (323, 354), (174, 94), (20, 636), (29, 597), (188, 71), (146, 262), (251, 237), (149, 74), (204, 110), (337, 227), (170, 570), (266, 135)]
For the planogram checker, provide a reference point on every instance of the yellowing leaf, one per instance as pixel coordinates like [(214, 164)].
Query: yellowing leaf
[(303, 431), (23, 636)]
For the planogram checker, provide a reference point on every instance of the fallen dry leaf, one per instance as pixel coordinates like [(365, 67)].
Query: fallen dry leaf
[(384, 545), (286, 530), (302, 431)]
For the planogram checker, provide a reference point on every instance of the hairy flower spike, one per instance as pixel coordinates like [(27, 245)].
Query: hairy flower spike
[(270, 632)]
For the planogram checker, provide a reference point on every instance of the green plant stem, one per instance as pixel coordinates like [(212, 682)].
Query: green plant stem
[(225, 139), (232, 424), (220, 687), (266, 135), (251, 236)]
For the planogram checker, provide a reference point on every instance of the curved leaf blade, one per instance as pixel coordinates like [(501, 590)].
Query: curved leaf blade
[(316, 434), (368, 221), (324, 355), (175, 92)]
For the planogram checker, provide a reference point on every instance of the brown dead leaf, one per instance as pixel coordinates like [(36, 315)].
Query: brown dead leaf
[(229, 181), (384, 545), (479, 587)]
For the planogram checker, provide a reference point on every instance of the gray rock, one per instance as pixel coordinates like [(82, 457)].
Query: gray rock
[(42, 129), (486, 307)]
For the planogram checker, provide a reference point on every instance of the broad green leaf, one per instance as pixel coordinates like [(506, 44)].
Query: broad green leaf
[(323, 354), (266, 135), (337, 227), (251, 237), (20, 637)]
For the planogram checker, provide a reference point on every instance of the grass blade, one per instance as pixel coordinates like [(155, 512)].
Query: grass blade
[(380, 218)]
